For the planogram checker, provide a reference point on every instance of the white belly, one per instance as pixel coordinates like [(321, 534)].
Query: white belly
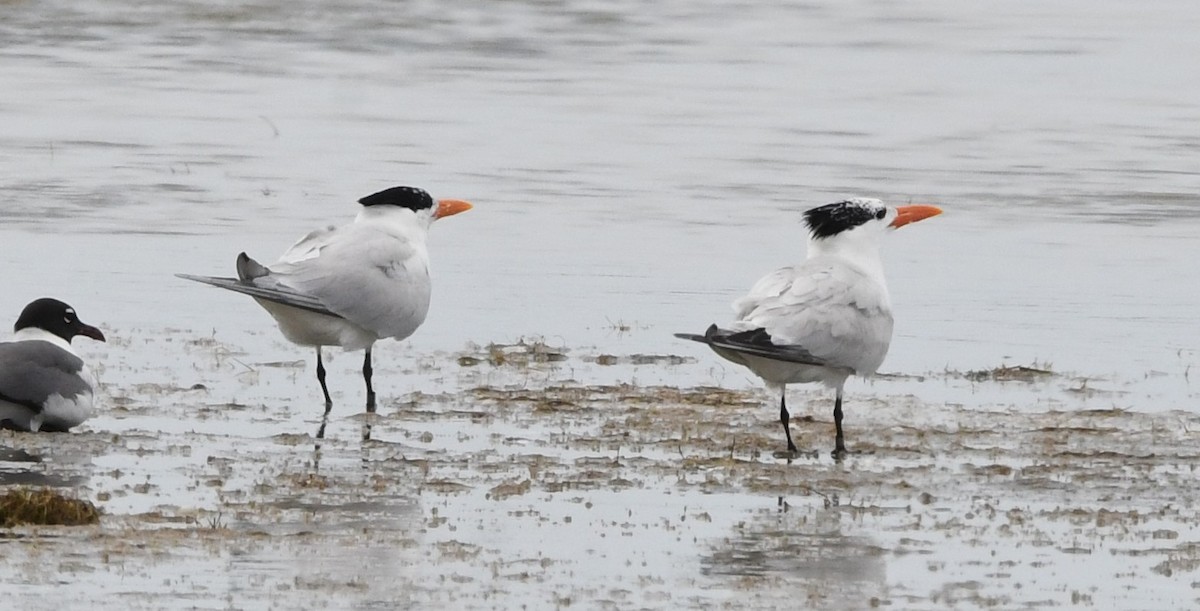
[(63, 413), (308, 328), (59, 413), (785, 372)]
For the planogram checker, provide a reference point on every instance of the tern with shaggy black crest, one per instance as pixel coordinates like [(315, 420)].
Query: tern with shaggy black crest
[(825, 319), (353, 285)]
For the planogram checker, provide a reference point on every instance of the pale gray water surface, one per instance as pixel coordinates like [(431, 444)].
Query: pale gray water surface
[(635, 167)]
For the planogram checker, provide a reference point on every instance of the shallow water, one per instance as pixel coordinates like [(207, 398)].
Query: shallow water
[(635, 167), (528, 487)]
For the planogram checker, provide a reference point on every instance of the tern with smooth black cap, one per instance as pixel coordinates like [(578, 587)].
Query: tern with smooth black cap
[(353, 285)]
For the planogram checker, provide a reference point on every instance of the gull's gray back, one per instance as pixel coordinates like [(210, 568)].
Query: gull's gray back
[(32, 371)]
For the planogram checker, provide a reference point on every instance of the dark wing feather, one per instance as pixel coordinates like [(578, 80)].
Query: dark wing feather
[(26, 403), (756, 342), (254, 288), (32, 371)]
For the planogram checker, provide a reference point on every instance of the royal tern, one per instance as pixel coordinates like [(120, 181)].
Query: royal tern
[(44, 385), (825, 319), (352, 285)]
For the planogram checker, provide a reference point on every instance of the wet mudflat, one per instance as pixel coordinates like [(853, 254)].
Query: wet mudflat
[(636, 166), (522, 483)]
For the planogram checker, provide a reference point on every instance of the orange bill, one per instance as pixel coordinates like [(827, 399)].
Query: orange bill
[(914, 213), (451, 207)]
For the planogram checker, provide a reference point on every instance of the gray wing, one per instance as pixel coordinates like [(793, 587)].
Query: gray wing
[(310, 245), (833, 310), (32, 371), (264, 288), (756, 342), (373, 278), (257, 281)]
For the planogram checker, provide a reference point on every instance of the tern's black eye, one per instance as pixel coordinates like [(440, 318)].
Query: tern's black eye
[(882, 213)]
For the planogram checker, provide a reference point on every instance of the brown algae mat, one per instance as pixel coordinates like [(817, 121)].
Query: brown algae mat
[(44, 506)]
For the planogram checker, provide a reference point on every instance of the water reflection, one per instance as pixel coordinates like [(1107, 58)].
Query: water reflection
[(639, 162), (813, 548), (19, 467), (25, 465)]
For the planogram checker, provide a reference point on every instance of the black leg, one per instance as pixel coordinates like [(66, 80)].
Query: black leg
[(367, 371), (783, 419), (321, 429), (839, 447), (320, 440), (321, 379)]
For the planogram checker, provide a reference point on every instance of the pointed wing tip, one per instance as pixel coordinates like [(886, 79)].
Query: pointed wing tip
[(224, 283), (704, 339), (281, 295)]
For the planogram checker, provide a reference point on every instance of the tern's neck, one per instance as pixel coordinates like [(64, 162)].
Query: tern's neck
[(397, 220), (861, 251), (34, 333)]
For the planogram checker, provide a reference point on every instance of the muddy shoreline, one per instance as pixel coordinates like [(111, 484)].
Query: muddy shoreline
[(540, 490)]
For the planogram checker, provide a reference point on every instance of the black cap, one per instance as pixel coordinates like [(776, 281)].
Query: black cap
[(832, 219), (405, 197)]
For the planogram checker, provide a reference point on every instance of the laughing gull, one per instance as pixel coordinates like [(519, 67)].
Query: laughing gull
[(44, 385), (353, 285)]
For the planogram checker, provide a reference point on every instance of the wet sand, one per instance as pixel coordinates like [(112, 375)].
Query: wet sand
[(524, 483), (635, 168)]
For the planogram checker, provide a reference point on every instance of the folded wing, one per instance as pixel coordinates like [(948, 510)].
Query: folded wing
[(831, 309), (269, 290), (33, 371), (371, 277), (756, 342)]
